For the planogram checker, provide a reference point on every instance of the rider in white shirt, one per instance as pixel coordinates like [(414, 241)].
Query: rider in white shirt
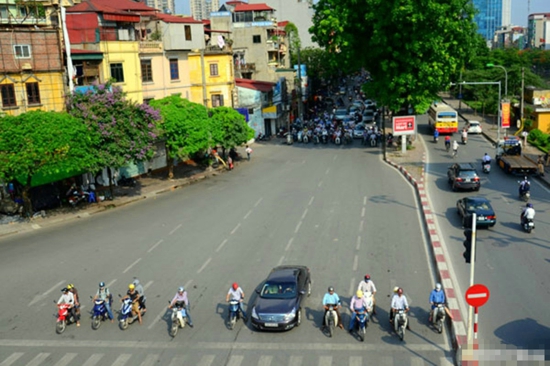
[(486, 158), (528, 213)]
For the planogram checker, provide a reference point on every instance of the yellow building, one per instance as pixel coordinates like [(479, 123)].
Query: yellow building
[(537, 108), (215, 65)]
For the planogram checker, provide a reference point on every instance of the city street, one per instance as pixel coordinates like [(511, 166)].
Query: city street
[(339, 210), (510, 262)]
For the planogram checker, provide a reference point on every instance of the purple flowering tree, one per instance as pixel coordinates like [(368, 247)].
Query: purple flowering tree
[(126, 129)]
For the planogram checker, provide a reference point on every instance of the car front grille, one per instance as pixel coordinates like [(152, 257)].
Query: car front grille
[(274, 318)]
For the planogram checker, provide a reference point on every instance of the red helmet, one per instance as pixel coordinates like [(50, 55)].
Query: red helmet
[(367, 277), (235, 285)]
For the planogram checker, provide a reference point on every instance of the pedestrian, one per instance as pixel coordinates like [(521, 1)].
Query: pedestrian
[(248, 152), (540, 165), (230, 163)]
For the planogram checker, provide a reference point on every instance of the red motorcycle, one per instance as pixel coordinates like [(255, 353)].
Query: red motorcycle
[(64, 318)]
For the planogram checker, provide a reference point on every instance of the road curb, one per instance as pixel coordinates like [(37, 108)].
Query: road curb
[(458, 328)]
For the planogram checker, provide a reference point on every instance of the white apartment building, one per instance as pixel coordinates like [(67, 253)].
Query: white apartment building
[(201, 9)]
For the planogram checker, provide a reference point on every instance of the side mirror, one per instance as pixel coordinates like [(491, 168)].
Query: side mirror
[(302, 292), (257, 291)]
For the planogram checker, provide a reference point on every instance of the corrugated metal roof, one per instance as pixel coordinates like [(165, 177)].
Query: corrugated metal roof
[(167, 18), (252, 7), (263, 86)]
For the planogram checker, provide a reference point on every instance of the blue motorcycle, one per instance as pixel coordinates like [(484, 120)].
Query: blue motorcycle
[(99, 313), (126, 317), (233, 315), (361, 323)]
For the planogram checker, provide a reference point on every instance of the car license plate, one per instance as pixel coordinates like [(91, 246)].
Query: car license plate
[(481, 217), (271, 325), (467, 180)]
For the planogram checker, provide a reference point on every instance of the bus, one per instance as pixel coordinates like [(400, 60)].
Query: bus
[(443, 118)]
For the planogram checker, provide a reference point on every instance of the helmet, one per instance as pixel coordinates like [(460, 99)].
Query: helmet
[(181, 289), (131, 286), (530, 205), (235, 285), (70, 286), (102, 284), (330, 289), (64, 289), (367, 277), (400, 291), (438, 286), (359, 294), (136, 282), (395, 289)]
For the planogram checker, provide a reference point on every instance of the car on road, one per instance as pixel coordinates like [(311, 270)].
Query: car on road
[(358, 131), (474, 127), (341, 114), (278, 304), (370, 102), (352, 110), (463, 176), (481, 206), (368, 116)]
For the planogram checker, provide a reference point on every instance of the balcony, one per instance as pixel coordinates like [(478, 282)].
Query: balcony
[(150, 46), (251, 67), (214, 48)]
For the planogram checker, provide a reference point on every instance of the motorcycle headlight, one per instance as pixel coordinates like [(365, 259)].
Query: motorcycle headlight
[(290, 316), (254, 314)]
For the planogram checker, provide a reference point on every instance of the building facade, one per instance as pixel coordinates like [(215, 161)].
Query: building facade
[(489, 16), (201, 9), (538, 31), (165, 6)]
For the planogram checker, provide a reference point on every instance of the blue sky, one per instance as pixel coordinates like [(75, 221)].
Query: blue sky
[(519, 9)]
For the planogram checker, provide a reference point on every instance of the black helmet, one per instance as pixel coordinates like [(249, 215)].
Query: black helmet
[(330, 289), (102, 284), (64, 289)]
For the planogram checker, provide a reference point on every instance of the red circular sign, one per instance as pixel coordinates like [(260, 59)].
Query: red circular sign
[(477, 295)]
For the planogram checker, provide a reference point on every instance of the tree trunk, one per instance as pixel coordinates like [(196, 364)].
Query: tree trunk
[(111, 188), (27, 203), (170, 164)]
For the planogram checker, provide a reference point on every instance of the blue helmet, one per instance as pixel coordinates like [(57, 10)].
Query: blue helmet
[(530, 205)]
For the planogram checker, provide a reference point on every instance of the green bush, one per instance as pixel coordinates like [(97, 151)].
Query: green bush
[(539, 139)]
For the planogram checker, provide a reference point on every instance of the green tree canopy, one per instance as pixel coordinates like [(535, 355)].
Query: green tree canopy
[(233, 127), (412, 48), (45, 143)]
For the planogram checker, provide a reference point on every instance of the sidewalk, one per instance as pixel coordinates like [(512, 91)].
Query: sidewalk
[(146, 187), (490, 132)]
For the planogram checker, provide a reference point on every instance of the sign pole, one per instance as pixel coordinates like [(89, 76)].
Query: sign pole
[(403, 144), (472, 270), (476, 296), (475, 323)]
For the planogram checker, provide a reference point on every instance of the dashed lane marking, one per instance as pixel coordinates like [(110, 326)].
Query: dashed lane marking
[(320, 183), (258, 202), (304, 214), (131, 265), (363, 212), (155, 245), (358, 245), (235, 229), (204, 265), (247, 214), (355, 262), (174, 229), (221, 245), (298, 226), (281, 260), (311, 200), (289, 244), (365, 200), (361, 225), (37, 298)]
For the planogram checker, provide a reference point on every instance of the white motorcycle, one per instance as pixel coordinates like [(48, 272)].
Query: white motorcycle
[(400, 323), (438, 317), (487, 167), (331, 319), (178, 318)]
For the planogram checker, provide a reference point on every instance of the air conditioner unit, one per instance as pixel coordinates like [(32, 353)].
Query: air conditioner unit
[(26, 66)]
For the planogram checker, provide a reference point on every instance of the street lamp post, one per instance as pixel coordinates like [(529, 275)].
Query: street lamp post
[(505, 77)]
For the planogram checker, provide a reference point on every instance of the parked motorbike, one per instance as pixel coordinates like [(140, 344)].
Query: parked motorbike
[(324, 138), (99, 313), (233, 315), (76, 195), (438, 317), (400, 323), (527, 224), (361, 323), (299, 136), (178, 319), (315, 139), (126, 318), (337, 140), (347, 138), (331, 319), (64, 318), (306, 137)]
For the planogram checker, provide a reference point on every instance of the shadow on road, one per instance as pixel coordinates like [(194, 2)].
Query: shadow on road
[(524, 333)]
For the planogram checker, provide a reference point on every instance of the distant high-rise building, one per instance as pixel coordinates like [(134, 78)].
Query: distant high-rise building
[(491, 15), (201, 9), (165, 6)]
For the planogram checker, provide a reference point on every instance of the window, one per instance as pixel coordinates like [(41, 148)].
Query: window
[(22, 51), (33, 93), (217, 100), (257, 39), (188, 33), (117, 73), (174, 69), (146, 71), (8, 95), (213, 69)]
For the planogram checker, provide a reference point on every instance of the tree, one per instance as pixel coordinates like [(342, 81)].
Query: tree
[(126, 129), (294, 42), (412, 48), (185, 127), (234, 129), (46, 143)]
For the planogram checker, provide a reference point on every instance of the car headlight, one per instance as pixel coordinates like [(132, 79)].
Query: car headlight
[(254, 314), (290, 316)]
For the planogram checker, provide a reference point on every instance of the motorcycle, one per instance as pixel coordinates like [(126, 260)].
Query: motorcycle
[(438, 317), (331, 319), (127, 182), (487, 167), (400, 323), (361, 324), (64, 318), (324, 138), (337, 140), (528, 225), (306, 137), (233, 313), (447, 145), (99, 313), (178, 319), (464, 140), (347, 138), (76, 195), (316, 139), (299, 137), (372, 140), (126, 317), (525, 195)]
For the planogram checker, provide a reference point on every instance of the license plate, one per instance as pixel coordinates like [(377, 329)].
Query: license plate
[(467, 180), (481, 217), (271, 325)]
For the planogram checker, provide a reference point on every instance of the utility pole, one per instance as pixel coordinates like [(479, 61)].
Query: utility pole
[(300, 106), (472, 272), (521, 98), (203, 74)]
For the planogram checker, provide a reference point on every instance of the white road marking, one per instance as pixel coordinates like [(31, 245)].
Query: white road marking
[(204, 265), (355, 361), (365, 200), (258, 202), (265, 360), (179, 360), (320, 183), (446, 361), (303, 162), (221, 245), (36, 226), (235, 360), (174, 229), (154, 246), (355, 262), (66, 359), (361, 225), (247, 214), (298, 226), (358, 245), (150, 360), (304, 214), (109, 284), (122, 359), (206, 360), (12, 358), (236, 228), (37, 298), (93, 360), (311, 200), (131, 265), (351, 286), (325, 361), (326, 171), (146, 286), (289, 244), (505, 200), (363, 212), (295, 361), (281, 260), (38, 359)]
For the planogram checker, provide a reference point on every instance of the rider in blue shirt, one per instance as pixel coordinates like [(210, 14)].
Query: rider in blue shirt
[(437, 296), (332, 298)]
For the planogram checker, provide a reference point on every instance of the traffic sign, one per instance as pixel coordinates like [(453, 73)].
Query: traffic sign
[(477, 295), (404, 125)]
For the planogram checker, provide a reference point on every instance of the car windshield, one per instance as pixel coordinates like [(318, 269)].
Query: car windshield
[(478, 205), (280, 290), (341, 112), (468, 174)]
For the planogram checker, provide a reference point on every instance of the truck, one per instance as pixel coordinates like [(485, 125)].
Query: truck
[(510, 158)]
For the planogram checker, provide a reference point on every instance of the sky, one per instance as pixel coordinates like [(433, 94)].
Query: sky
[(519, 9)]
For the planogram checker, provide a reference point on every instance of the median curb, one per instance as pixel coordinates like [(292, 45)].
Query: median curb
[(458, 328)]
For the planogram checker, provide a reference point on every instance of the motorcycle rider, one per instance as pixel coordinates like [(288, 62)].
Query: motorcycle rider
[(400, 302), (528, 213), (464, 136), (486, 159), (436, 135), (332, 298), (67, 297), (367, 285), (447, 142), (74, 291), (524, 186), (236, 293), (358, 304), (104, 294), (181, 300), (141, 292), (437, 296), (455, 148), (395, 289), (133, 295)]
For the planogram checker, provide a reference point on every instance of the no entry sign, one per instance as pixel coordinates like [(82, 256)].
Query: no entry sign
[(477, 295), (404, 125)]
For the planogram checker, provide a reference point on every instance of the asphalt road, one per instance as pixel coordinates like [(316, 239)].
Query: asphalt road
[(338, 210), (510, 262)]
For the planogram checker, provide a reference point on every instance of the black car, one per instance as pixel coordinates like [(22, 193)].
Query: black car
[(463, 176), (278, 305), (481, 207)]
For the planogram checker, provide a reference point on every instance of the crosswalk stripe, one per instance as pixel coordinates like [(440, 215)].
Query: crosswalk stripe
[(386, 360), (206, 360), (12, 358), (235, 360), (417, 361), (446, 361), (122, 359), (325, 360), (295, 361), (355, 361), (177, 361), (65, 360), (38, 359), (150, 360), (93, 360), (265, 360)]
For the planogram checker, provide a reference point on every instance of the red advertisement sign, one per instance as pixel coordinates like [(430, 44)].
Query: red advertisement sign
[(404, 125), (505, 110)]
